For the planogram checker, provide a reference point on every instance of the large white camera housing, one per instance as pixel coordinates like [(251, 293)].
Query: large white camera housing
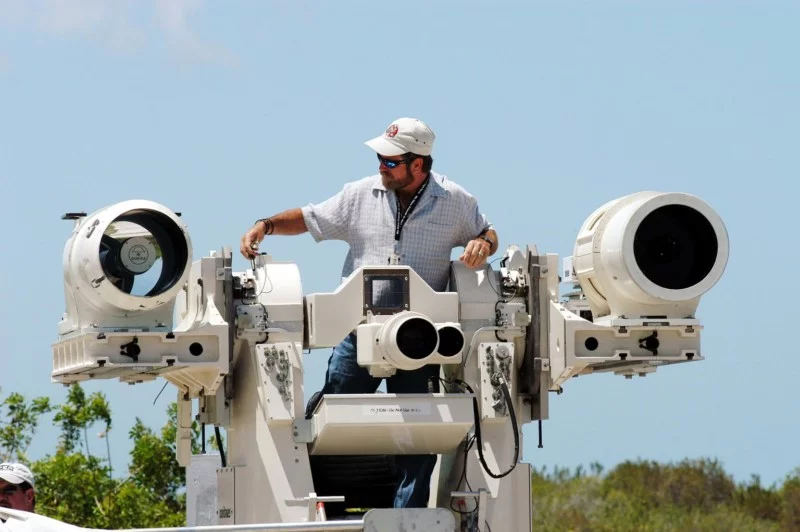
[(649, 255), (114, 328), (108, 252)]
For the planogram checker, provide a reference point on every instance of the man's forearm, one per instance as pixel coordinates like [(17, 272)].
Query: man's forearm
[(289, 222)]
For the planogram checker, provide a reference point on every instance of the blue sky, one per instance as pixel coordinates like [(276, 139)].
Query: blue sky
[(228, 112)]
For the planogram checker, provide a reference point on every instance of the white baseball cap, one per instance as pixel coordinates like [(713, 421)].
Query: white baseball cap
[(404, 135), (15, 473)]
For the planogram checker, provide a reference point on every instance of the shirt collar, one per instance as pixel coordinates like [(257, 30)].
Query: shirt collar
[(435, 185)]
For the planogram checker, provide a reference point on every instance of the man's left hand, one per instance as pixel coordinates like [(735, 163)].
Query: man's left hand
[(476, 253)]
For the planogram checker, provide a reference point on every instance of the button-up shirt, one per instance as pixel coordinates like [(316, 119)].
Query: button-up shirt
[(363, 214)]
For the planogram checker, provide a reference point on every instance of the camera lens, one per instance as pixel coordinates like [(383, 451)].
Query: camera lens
[(451, 341), (143, 252), (416, 338), (675, 247)]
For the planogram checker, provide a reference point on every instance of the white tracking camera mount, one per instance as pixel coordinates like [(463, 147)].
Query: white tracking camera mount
[(377, 304), (504, 339)]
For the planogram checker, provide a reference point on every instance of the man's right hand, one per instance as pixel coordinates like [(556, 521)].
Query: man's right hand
[(251, 240)]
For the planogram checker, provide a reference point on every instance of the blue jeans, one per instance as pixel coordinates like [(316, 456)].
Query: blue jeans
[(344, 375)]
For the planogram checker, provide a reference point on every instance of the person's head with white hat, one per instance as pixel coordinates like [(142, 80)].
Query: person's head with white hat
[(404, 155), (17, 487)]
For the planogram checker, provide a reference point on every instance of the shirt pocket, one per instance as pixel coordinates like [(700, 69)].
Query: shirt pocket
[(441, 223), (440, 230)]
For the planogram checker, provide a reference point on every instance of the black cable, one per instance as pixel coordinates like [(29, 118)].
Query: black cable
[(266, 334), (477, 437), (540, 435), (502, 299), (463, 478), (219, 445), (507, 398), (203, 436), (489, 276), (159, 392)]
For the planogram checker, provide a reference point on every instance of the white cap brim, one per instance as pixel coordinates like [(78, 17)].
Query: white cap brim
[(11, 477), (385, 147)]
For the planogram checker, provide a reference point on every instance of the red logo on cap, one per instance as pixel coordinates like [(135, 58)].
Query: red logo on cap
[(391, 131)]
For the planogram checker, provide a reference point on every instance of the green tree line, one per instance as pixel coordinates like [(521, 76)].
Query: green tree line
[(691, 495), (78, 487)]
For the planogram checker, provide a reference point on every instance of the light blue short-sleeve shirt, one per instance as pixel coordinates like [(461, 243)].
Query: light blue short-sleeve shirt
[(363, 214)]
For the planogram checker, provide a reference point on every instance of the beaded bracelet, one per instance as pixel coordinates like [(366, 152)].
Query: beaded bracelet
[(268, 224)]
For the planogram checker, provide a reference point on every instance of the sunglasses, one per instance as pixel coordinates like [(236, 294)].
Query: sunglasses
[(10, 490), (394, 164)]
